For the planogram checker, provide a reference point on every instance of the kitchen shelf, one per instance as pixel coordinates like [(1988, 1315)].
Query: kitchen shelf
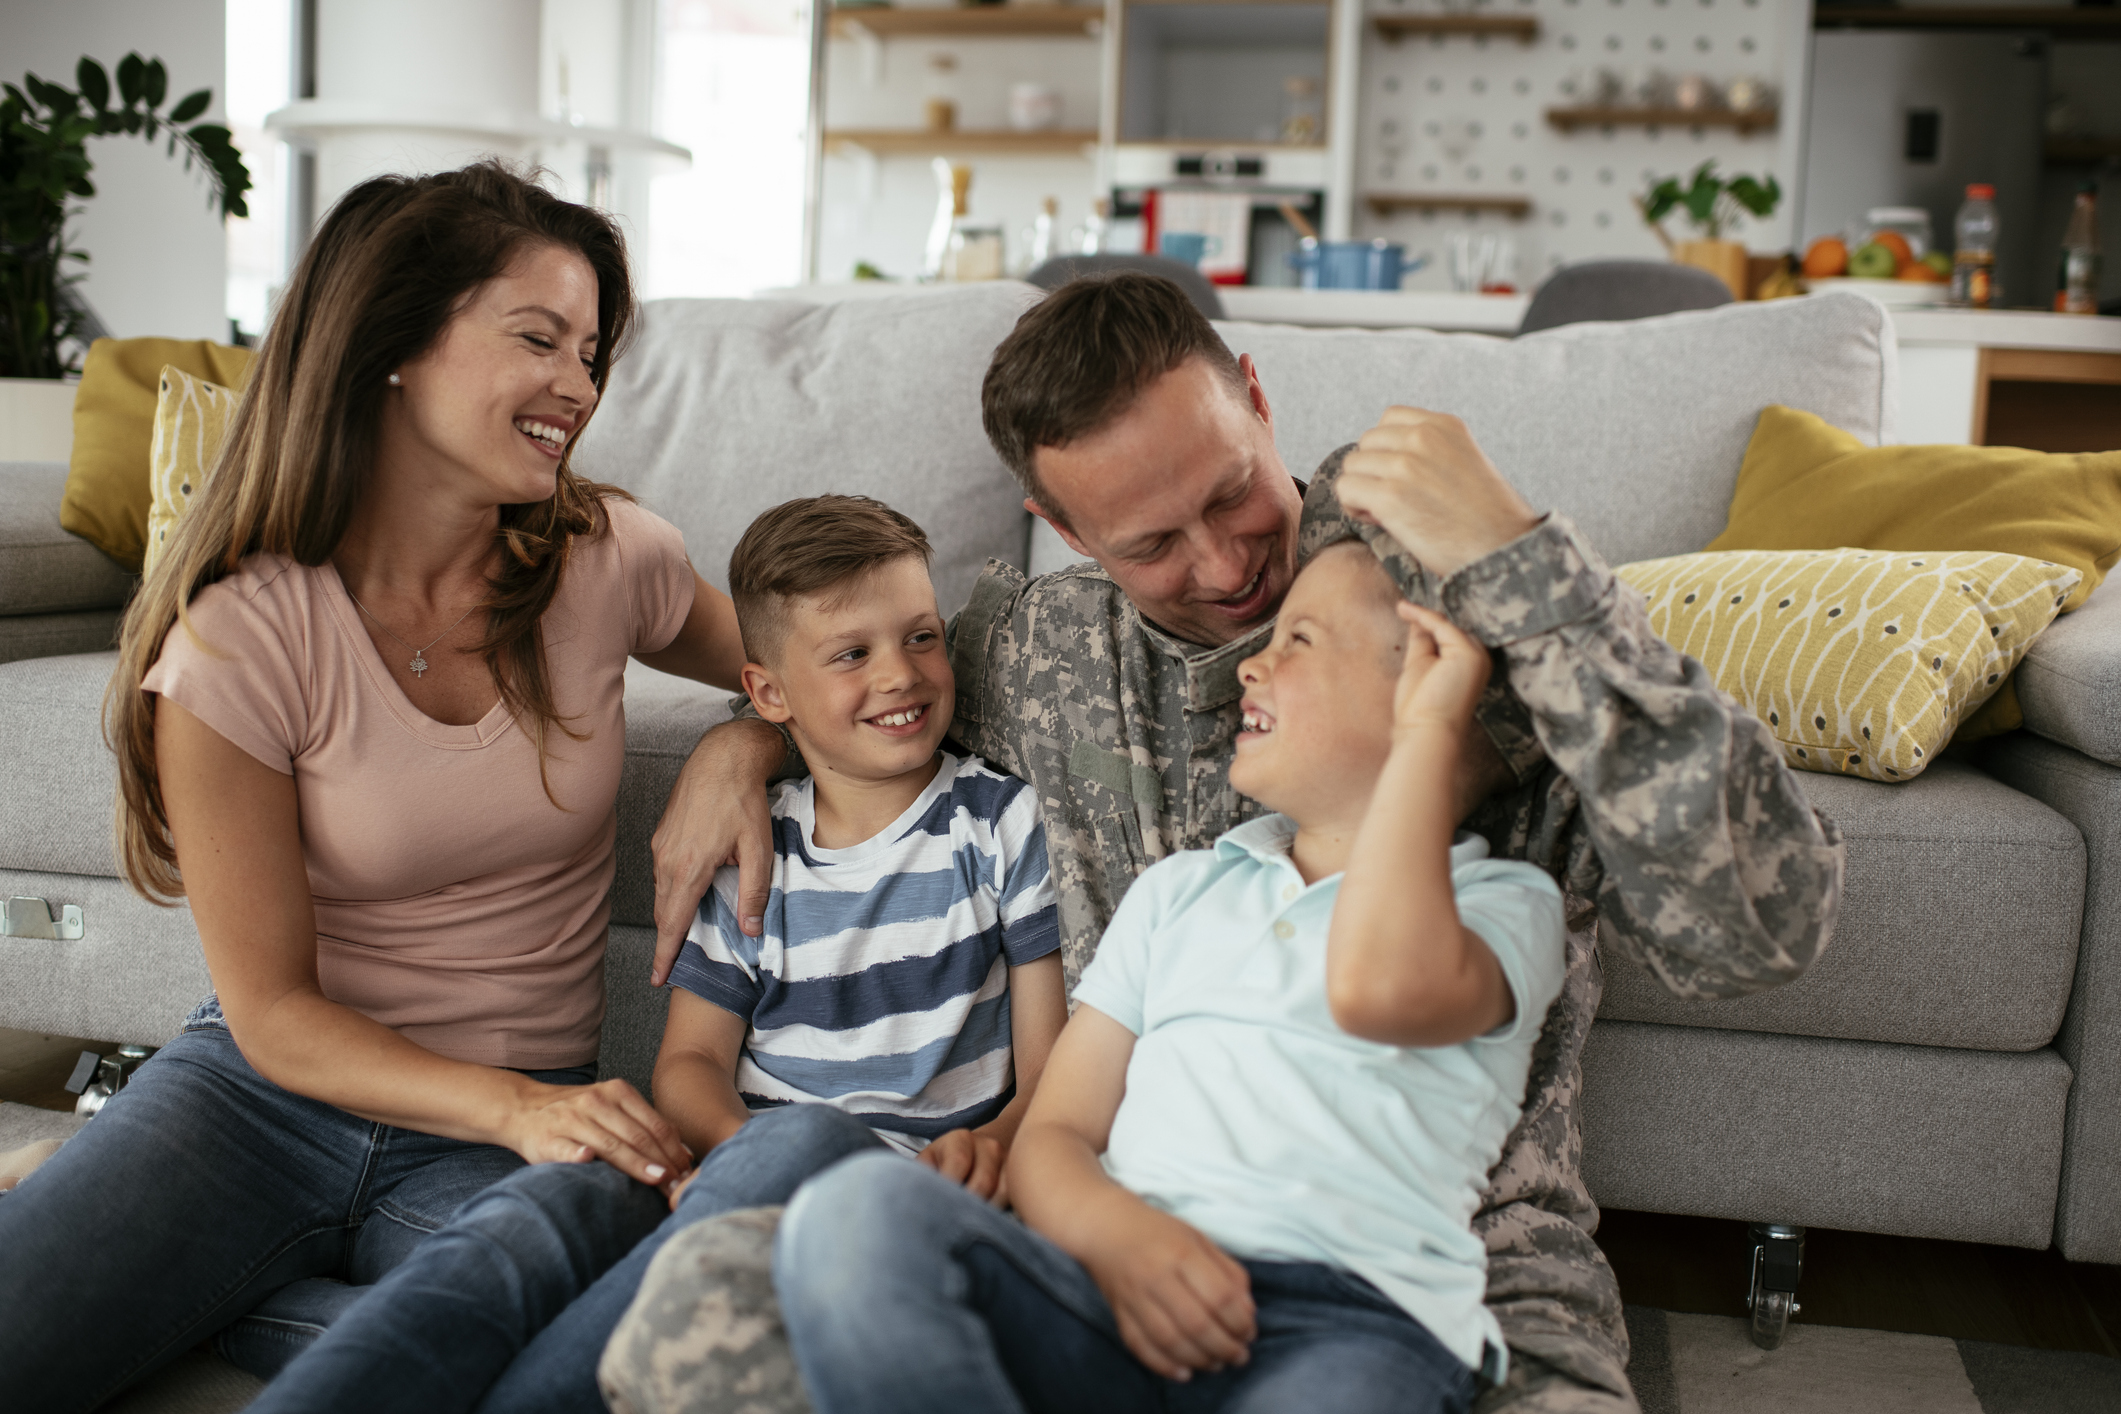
[(993, 21), (1570, 119), (1386, 203), (2080, 151), (2063, 22), (891, 142), (1393, 28)]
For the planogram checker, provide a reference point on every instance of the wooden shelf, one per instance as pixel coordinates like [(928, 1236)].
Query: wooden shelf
[(2080, 151), (893, 142), (1393, 28), (1570, 119), (2064, 22), (994, 21), (1386, 203)]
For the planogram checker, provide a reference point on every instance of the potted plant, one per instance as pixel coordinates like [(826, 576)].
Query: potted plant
[(1713, 205), (44, 162)]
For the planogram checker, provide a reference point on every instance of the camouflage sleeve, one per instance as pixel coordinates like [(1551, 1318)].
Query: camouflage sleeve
[(1662, 798), (1712, 869), (976, 642), (793, 766)]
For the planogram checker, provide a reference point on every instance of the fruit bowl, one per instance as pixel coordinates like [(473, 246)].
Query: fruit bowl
[(1893, 294)]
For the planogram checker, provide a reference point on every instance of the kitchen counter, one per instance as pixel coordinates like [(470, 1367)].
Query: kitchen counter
[(1377, 309)]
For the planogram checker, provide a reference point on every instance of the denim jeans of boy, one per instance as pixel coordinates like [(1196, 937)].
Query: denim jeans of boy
[(204, 1200), (509, 1307), (904, 1294)]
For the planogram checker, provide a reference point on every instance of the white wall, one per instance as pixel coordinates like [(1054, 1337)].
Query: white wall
[(158, 256)]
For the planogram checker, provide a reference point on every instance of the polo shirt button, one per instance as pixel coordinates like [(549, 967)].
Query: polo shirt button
[(1288, 893), (1285, 930)]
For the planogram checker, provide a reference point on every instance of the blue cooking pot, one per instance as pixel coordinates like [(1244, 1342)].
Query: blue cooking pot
[(1352, 265)]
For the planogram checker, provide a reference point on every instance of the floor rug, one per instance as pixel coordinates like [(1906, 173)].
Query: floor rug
[(1685, 1364)]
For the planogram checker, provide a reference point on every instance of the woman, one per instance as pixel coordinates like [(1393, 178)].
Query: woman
[(368, 720)]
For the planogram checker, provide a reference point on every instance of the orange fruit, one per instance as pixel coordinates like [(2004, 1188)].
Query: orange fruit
[(1923, 273), (1903, 253), (1826, 258)]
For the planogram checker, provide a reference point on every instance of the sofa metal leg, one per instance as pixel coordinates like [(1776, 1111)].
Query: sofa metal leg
[(1778, 1261), (97, 1078)]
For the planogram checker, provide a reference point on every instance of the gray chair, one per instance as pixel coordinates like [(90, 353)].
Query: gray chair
[(1063, 268), (1604, 291)]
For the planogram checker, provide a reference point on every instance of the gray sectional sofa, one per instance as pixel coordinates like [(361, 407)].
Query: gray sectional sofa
[(1951, 1067)]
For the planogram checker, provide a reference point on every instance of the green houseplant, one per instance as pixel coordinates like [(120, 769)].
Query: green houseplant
[(44, 164), (1713, 204)]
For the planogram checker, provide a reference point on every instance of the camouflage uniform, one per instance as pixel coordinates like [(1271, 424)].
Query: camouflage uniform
[(1662, 807)]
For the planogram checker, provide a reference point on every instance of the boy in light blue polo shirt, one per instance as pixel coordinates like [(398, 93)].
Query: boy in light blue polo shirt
[(1254, 1159)]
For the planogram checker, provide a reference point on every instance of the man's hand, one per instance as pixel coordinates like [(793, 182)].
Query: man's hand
[(1441, 680), (1182, 1303), (717, 814), (1422, 477), (971, 1158)]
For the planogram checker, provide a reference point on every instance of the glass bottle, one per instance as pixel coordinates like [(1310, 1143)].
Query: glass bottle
[(2080, 256), (1974, 249)]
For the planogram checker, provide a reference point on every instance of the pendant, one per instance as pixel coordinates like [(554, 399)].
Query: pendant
[(419, 664)]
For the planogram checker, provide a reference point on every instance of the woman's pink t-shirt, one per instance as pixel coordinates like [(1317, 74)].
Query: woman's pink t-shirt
[(455, 902)]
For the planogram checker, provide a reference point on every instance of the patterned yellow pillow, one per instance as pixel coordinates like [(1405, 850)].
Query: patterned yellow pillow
[(1861, 661), (191, 419)]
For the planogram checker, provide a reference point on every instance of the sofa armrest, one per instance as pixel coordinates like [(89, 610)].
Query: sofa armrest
[(44, 568), (2071, 678), (2088, 793)]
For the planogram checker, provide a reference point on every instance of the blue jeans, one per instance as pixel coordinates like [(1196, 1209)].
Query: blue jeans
[(204, 1200), (509, 1306), (905, 1294)]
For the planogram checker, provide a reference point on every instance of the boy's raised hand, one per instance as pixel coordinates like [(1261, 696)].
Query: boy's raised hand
[(1182, 1303), (1441, 680), (975, 1160)]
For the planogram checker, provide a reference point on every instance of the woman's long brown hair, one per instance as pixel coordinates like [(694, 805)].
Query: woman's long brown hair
[(381, 279)]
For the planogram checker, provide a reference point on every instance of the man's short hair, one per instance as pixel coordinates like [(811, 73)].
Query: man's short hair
[(808, 547), (1079, 358)]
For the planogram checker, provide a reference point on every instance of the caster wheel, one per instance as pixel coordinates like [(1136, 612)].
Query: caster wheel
[(1771, 1317)]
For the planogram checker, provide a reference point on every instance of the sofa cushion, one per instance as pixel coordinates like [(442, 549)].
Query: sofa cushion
[(1958, 925), (1963, 1145), (55, 812), (725, 408), (1635, 430), (44, 568), (46, 635)]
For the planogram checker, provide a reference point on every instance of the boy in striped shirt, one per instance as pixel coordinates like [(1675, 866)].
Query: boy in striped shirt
[(908, 972)]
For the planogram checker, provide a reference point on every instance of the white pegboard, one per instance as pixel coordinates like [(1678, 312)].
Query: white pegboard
[(1467, 115)]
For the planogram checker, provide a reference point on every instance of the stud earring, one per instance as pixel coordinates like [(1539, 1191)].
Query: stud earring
[(394, 380)]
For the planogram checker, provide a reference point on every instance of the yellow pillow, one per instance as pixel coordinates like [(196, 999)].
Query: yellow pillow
[(1808, 485), (107, 496), (1860, 661), (191, 421)]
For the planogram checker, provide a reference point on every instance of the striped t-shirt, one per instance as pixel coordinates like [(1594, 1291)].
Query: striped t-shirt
[(881, 982)]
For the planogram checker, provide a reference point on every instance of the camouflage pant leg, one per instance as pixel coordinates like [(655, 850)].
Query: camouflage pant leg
[(1535, 1387), (704, 1332), (1558, 1302)]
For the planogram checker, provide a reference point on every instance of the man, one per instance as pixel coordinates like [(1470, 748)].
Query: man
[(1661, 807)]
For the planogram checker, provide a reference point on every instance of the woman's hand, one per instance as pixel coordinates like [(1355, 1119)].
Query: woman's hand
[(573, 1124), (1441, 680), (717, 814)]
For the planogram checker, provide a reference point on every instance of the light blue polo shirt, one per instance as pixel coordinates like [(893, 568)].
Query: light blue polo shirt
[(1251, 1115)]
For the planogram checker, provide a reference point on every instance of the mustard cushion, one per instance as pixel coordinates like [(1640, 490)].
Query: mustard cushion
[(1808, 485), (191, 421), (1859, 661), (107, 493)]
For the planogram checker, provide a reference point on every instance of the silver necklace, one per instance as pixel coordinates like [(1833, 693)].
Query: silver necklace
[(419, 655)]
